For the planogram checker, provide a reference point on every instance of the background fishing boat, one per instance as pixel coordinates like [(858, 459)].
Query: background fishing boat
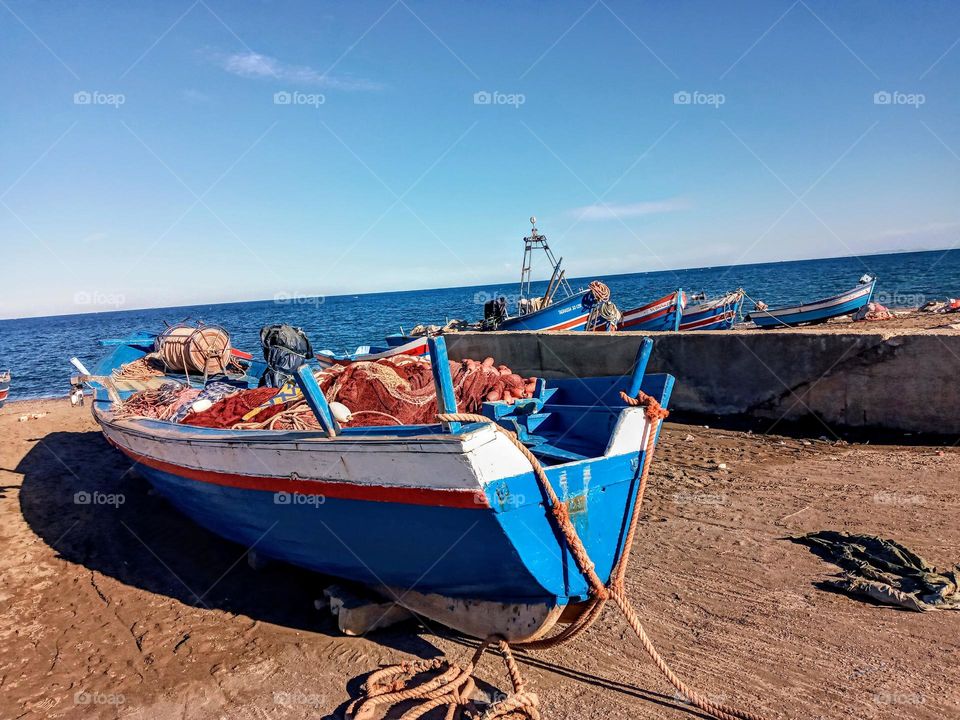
[(819, 311), (447, 518), (660, 315), (720, 313), (417, 347), (4, 386)]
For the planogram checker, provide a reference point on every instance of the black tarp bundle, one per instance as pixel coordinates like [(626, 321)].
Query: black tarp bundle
[(285, 348), (885, 571)]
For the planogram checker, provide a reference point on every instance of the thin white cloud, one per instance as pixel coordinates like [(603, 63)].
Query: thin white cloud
[(609, 211), (258, 66)]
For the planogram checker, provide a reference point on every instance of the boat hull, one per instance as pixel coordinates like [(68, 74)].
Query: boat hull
[(837, 306), (452, 525), (413, 347), (661, 315), (570, 313), (4, 388), (718, 314)]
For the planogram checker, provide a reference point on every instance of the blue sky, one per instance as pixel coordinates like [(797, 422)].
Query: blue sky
[(171, 153)]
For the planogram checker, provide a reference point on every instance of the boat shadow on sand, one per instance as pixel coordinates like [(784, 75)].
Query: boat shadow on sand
[(88, 503)]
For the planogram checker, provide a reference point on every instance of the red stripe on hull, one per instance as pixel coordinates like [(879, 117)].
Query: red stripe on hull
[(464, 499), (647, 318)]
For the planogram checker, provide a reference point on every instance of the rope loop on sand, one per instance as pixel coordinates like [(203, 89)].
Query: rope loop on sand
[(454, 685)]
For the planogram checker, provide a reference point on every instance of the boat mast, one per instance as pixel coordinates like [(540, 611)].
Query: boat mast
[(537, 241)]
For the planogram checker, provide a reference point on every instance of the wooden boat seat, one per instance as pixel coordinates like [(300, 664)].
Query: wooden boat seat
[(546, 451)]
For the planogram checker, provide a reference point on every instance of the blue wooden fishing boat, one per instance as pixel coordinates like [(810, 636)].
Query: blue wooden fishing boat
[(819, 311), (661, 315), (447, 519), (717, 314), (416, 347), (4, 386)]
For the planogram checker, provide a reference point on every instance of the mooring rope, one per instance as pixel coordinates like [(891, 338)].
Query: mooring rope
[(452, 687)]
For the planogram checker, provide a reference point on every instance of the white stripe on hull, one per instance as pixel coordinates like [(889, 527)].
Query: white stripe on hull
[(484, 457)]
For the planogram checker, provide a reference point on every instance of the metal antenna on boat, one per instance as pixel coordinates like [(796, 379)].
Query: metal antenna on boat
[(558, 279)]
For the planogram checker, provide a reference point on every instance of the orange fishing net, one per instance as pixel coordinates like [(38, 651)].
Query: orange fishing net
[(400, 391), (392, 391)]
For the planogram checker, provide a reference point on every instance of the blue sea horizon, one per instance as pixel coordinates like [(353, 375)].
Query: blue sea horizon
[(37, 350)]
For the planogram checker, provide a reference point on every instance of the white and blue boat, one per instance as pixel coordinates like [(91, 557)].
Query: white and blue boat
[(719, 313), (4, 386), (819, 311), (447, 518)]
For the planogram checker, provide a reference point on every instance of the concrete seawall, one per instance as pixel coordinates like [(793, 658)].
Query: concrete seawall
[(905, 380)]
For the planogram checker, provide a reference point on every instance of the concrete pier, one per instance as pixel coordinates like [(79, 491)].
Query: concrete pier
[(847, 376)]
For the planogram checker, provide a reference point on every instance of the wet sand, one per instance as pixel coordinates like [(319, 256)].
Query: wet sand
[(120, 607)]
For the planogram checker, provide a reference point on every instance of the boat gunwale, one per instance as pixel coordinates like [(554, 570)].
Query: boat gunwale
[(809, 306)]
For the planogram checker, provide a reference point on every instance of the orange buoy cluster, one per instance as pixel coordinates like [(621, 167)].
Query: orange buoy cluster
[(510, 386)]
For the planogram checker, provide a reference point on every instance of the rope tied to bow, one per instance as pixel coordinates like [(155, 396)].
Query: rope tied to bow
[(454, 693)]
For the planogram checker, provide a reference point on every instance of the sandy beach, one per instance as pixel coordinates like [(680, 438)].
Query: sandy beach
[(114, 605)]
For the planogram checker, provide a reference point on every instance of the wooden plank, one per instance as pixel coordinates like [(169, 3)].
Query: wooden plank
[(315, 398), (440, 366), (640, 366)]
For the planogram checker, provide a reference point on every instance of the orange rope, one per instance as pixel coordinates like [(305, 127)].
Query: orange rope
[(449, 688)]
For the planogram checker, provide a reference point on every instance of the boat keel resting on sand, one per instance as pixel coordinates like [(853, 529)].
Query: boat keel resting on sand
[(448, 516)]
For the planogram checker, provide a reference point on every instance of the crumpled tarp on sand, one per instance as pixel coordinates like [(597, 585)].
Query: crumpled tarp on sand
[(885, 571)]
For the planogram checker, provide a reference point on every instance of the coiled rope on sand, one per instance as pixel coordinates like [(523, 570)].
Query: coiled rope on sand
[(452, 684)]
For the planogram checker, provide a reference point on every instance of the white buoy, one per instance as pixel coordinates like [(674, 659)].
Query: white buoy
[(201, 405), (341, 413)]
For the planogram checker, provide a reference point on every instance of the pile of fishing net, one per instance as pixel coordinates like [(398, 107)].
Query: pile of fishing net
[(400, 390), (162, 403), (873, 311), (390, 391)]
